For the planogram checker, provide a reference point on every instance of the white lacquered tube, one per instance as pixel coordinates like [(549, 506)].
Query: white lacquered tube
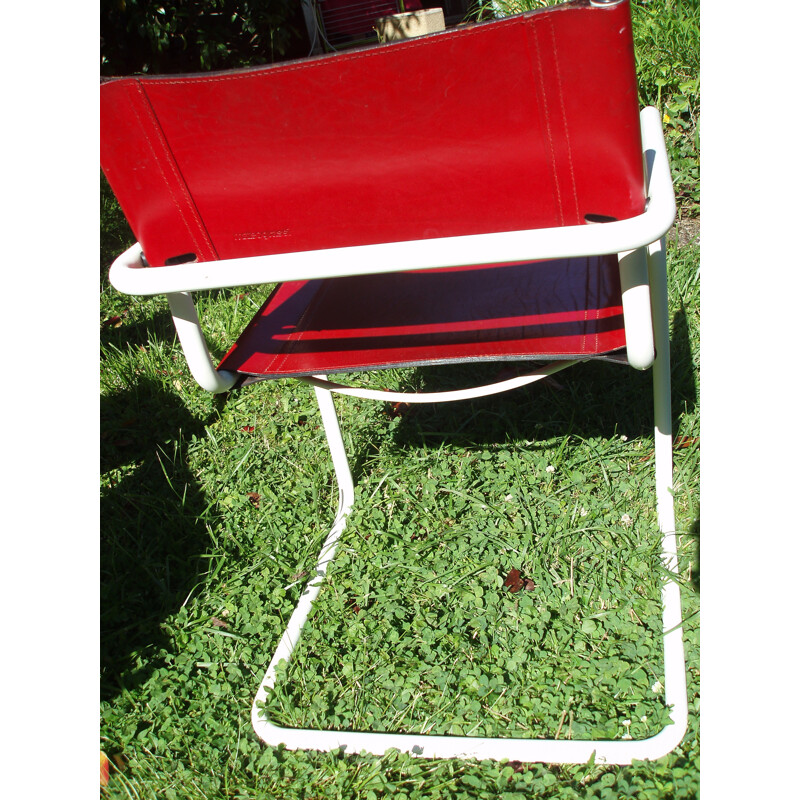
[(194, 345), (128, 275)]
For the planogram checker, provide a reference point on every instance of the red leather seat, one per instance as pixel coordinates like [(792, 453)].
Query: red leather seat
[(547, 309)]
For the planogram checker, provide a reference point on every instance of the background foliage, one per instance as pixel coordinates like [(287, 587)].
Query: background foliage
[(166, 36)]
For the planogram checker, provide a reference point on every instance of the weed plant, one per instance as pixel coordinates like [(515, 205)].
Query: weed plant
[(213, 511)]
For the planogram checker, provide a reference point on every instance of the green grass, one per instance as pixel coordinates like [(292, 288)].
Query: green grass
[(213, 510), (199, 575)]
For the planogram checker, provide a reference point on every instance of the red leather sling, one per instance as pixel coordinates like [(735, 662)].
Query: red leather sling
[(521, 123)]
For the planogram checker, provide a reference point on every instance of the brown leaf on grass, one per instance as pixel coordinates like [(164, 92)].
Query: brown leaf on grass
[(219, 623), (114, 322), (398, 409), (513, 581), (254, 498)]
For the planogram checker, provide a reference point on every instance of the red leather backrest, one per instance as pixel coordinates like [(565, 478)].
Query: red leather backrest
[(526, 122)]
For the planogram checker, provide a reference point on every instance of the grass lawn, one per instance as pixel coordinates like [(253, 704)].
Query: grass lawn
[(213, 511)]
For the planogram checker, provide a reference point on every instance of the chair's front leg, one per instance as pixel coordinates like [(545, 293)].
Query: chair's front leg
[(341, 466), (194, 345), (291, 636)]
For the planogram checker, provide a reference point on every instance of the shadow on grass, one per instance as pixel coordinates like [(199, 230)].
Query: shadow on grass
[(694, 531), (151, 534), (594, 399)]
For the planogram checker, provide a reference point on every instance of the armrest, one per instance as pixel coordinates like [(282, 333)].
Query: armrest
[(129, 275), (626, 237)]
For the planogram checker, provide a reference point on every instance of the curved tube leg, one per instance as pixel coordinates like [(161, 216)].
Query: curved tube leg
[(291, 636), (674, 658)]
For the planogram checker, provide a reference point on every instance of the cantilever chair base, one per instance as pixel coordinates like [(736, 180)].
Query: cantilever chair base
[(542, 750)]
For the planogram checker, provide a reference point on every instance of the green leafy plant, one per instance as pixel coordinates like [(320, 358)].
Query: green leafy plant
[(158, 36)]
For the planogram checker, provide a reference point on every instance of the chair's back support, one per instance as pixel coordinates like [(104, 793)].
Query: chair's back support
[(527, 122)]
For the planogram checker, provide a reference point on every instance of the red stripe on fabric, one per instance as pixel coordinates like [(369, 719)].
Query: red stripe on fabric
[(449, 327)]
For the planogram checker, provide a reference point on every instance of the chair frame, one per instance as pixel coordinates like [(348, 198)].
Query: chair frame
[(640, 243)]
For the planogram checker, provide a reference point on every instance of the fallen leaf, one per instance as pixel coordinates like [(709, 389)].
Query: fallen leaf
[(513, 581), (104, 768), (398, 409)]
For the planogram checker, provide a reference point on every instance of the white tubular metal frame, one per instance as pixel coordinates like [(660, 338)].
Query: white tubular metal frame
[(639, 244), (543, 750), (127, 275), (628, 238)]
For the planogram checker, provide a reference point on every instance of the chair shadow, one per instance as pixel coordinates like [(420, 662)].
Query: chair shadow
[(588, 400), (594, 399), (151, 534)]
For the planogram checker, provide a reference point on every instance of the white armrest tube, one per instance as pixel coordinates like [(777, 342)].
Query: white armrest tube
[(636, 309), (128, 274)]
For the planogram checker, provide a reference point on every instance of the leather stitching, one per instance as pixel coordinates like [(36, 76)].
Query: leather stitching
[(564, 118), (178, 179)]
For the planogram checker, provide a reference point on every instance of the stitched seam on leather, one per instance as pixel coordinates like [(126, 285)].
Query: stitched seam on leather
[(564, 118), (534, 30), (597, 276), (176, 175)]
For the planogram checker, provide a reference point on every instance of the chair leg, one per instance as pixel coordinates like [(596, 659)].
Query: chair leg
[(291, 636), (542, 750), (674, 657)]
